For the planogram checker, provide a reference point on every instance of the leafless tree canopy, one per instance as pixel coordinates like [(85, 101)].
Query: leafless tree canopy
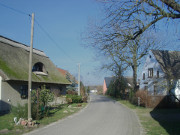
[(144, 13)]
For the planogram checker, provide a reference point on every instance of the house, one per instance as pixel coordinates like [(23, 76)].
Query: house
[(70, 78), (130, 84), (93, 91), (127, 80), (107, 82), (14, 64), (161, 73)]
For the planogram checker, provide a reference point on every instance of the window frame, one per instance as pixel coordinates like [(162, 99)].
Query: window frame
[(157, 74), (150, 72), (24, 91), (144, 76)]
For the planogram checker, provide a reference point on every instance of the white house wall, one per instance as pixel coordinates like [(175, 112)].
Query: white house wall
[(150, 82)]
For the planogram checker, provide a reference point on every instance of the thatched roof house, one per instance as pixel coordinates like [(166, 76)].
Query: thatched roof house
[(14, 61), (14, 66)]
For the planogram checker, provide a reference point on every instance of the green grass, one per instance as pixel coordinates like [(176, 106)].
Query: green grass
[(6, 122), (157, 121), (56, 113)]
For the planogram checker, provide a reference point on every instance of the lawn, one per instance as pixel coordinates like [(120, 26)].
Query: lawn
[(157, 121), (8, 127)]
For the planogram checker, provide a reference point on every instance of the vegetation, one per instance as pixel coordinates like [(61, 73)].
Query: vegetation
[(20, 111), (71, 79), (157, 121), (40, 99), (73, 99), (117, 88), (8, 127)]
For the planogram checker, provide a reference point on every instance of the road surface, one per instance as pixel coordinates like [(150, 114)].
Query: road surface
[(103, 116)]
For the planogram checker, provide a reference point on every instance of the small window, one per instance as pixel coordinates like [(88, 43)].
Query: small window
[(143, 76), (155, 90), (157, 74), (150, 72), (149, 56), (38, 67), (24, 91)]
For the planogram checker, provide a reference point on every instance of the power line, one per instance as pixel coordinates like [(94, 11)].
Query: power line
[(16, 10), (40, 26), (52, 40)]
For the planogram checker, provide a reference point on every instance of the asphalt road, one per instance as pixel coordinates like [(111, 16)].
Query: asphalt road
[(102, 116)]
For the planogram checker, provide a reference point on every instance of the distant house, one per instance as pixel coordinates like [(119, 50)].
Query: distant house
[(93, 91), (14, 61), (129, 82), (107, 81), (161, 73), (70, 78)]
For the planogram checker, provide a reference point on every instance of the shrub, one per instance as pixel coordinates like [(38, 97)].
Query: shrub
[(72, 92), (131, 95), (21, 111), (73, 98), (85, 99), (40, 99)]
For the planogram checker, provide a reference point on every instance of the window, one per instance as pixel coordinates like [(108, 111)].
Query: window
[(157, 74), (149, 56), (24, 91), (150, 72), (38, 67), (155, 90), (143, 76)]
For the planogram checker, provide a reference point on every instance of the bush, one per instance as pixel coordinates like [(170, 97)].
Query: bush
[(40, 99), (72, 92), (73, 99), (131, 95), (20, 111), (85, 99)]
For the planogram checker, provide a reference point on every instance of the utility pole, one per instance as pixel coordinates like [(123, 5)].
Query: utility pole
[(79, 79), (30, 68)]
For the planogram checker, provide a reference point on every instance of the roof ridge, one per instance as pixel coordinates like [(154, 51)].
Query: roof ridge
[(20, 45)]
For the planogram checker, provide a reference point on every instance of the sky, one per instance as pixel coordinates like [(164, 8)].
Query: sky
[(58, 27), (57, 31)]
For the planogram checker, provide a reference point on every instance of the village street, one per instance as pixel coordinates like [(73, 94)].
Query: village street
[(102, 116)]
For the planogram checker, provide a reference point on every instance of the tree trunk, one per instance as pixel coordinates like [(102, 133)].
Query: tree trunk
[(134, 67), (135, 77)]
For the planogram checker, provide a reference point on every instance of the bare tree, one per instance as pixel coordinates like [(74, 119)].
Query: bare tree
[(112, 42), (145, 13)]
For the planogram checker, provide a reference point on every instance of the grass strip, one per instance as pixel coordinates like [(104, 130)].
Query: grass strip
[(156, 121), (8, 127)]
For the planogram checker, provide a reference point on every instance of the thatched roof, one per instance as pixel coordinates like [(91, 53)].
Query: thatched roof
[(14, 61), (169, 62)]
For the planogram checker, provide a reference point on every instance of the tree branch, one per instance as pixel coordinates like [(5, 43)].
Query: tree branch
[(171, 3)]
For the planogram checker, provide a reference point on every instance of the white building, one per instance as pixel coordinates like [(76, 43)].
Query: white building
[(161, 73)]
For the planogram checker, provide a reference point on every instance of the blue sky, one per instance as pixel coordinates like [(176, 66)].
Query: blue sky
[(65, 21)]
